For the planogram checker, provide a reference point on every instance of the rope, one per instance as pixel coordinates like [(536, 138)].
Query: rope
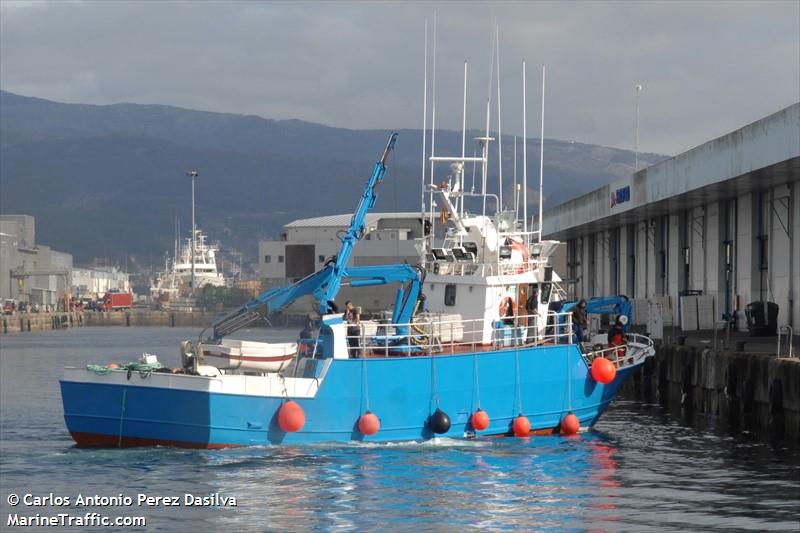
[(121, 417), (517, 380), (476, 378), (433, 381), (365, 379), (569, 384)]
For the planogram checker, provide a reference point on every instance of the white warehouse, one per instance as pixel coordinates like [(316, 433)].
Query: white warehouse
[(722, 218), (306, 244)]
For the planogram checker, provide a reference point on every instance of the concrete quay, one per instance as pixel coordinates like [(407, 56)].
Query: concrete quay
[(26, 322), (745, 390)]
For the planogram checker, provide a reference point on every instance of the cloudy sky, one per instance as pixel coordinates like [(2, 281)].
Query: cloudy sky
[(706, 67)]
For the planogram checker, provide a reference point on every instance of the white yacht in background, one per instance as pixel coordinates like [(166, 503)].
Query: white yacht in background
[(176, 278)]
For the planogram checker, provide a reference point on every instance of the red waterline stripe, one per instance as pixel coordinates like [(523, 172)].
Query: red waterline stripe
[(97, 440)]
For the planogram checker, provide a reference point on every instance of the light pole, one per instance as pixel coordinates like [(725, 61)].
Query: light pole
[(638, 89), (193, 174)]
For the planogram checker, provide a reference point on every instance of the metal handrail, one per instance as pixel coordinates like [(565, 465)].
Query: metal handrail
[(428, 337), (790, 333)]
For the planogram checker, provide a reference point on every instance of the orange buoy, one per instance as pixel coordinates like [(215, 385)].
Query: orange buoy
[(570, 425), (479, 420), (112, 366), (369, 424), (521, 426), (603, 370), (291, 417)]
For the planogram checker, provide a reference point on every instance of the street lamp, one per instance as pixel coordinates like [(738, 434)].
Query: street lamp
[(638, 89), (193, 174)]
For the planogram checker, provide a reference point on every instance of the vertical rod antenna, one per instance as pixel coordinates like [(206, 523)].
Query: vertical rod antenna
[(516, 200), (541, 161), (524, 157), (433, 125), (424, 124), (463, 137), (485, 151), (499, 123)]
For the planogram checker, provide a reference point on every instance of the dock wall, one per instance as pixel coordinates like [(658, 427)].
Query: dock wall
[(747, 391), (48, 321)]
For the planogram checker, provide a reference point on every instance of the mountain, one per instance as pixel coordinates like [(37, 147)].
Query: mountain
[(108, 181)]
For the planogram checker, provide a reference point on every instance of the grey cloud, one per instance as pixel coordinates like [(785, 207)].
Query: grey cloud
[(707, 68)]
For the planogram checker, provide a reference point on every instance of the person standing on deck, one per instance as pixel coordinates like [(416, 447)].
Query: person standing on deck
[(353, 319), (580, 320)]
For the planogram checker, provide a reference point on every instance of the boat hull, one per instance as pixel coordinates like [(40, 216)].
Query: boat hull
[(191, 411)]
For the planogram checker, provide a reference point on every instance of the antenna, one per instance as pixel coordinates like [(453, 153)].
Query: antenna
[(524, 157), (516, 206), (424, 126), (463, 137), (638, 90), (499, 124), (485, 141), (541, 162), (433, 125)]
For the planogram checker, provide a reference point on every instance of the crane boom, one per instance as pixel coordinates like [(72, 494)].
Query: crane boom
[(325, 283), (328, 292)]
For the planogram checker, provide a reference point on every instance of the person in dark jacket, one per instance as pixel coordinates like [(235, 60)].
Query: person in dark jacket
[(353, 321), (580, 321)]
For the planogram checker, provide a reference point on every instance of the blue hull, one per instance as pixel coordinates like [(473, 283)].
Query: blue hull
[(401, 391)]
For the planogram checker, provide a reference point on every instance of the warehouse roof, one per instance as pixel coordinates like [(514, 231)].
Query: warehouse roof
[(343, 221), (758, 156)]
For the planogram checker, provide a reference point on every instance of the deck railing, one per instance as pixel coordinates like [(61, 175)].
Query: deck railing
[(635, 345), (474, 268), (439, 335)]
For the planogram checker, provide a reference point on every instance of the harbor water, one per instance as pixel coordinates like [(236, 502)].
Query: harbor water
[(639, 469)]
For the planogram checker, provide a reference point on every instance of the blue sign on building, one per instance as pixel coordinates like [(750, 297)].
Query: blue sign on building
[(620, 196)]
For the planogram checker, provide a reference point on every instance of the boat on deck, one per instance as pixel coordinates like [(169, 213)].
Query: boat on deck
[(475, 345)]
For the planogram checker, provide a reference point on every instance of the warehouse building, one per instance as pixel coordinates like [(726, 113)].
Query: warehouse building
[(306, 244), (30, 272), (721, 220)]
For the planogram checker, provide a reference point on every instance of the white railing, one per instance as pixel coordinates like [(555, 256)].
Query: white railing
[(635, 348), (437, 335), (470, 268)]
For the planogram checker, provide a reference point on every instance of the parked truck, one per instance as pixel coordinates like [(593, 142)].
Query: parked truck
[(116, 301)]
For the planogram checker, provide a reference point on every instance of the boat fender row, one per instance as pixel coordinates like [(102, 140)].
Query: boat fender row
[(291, 419)]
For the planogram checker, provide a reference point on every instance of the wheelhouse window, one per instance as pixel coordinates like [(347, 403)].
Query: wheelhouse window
[(450, 294)]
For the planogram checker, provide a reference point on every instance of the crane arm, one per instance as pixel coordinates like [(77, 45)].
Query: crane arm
[(354, 232), (323, 284)]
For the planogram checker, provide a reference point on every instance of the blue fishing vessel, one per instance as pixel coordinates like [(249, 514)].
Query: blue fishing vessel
[(476, 343), (482, 353)]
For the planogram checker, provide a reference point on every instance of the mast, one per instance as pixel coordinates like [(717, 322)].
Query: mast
[(499, 125), (424, 129), (516, 200), (463, 139), (524, 159), (541, 162), (433, 129), (485, 140)]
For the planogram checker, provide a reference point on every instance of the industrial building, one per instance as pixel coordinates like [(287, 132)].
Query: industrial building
[(722, 218), (30, 272), (95, 282)]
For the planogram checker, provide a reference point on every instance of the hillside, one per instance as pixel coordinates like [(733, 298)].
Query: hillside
[(108, 181)]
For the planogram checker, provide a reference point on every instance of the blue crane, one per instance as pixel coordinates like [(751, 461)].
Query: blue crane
[(324, 284)]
